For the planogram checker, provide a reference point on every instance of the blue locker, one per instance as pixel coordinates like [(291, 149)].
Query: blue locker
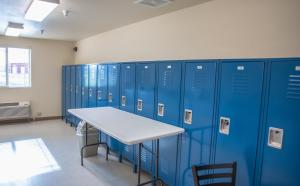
[(168, 111), (238, 120), (92, 85), (77, 91), (84, 86), (102, 85), (198, 108), (68, 93), (78, 86), (145, 103), (72, 91), (281, 147), (63, 92), (113, 96), (127, 101)]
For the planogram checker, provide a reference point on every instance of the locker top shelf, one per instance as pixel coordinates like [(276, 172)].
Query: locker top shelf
[(126, 127)]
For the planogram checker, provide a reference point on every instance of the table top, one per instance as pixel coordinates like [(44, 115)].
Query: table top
[(126, 127)]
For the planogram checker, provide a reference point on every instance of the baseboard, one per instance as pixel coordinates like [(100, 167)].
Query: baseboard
[(12, 121), (47, 118)]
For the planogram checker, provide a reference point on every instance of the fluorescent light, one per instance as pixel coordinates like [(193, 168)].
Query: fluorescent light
[(14, 29), (40, 9)]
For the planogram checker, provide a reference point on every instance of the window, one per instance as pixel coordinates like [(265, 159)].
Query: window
[(15, 67)]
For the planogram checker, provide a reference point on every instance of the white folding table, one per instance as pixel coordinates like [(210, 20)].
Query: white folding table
[(128, 128)]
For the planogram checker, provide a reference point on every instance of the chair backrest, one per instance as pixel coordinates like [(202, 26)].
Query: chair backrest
[(208, 175)]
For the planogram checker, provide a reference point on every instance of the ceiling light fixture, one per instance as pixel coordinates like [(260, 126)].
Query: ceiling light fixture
[(39, 9), (14, 29)]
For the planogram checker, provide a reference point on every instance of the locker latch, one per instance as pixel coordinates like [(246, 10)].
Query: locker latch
[(161, 109), (224, 125), (99, 95), (275, 137), (82, 91), (139, 105), (110, 97), (188, 116), (123, 101)]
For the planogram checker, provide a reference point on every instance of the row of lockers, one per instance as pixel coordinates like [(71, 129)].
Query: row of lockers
[(232, 110)]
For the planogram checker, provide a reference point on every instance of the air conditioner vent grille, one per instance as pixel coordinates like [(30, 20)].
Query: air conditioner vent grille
[(153, 3)]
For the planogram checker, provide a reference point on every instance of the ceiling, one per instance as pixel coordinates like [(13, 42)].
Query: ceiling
[(86, 17)]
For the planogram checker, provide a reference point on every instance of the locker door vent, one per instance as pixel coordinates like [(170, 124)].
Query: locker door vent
[(102, 74), (126, 148), (167, 78), (293, 88), (240, 83), (144, 155), (199, 79)]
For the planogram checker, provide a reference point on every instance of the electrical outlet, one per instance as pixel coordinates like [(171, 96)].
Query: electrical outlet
[(39, 114)]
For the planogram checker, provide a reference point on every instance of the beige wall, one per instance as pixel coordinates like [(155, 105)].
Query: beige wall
[(216, 29), (47, 58)]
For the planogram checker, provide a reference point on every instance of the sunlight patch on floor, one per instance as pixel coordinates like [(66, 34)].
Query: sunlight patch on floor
[(22, 159)]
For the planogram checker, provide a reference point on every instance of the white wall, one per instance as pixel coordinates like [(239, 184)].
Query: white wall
[(216, 29), (47, 58)]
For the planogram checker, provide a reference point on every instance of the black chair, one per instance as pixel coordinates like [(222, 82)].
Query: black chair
[(208, 175)]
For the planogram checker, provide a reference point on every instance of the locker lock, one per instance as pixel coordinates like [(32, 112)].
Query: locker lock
[(110, 96), (139, 105), (224, 125), (161, 109), (275, 137), (123, 101), (188, 116)]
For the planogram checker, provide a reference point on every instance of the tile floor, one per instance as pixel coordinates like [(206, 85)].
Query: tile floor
[(46, 153)]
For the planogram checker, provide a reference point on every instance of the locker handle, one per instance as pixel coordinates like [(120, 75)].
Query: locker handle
[(90, 92), (188, 116), (99, 94), (140, 105), (110, 97), (123, 101), (82, 91), (161, 109), (275, 137), (224, 125)]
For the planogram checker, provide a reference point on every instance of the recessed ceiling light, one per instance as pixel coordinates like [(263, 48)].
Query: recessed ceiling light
[(39, 9), (14, 29)]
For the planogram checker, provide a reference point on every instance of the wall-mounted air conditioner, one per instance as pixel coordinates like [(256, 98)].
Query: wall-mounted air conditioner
[(15, 110)]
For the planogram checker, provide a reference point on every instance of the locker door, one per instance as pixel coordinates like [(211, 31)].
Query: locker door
[(72, 91), (281, 148), (127, 101), (63, 92), (92, 85), (68, 93), (145, 103), (113, 96), (113, 85), (168, 102), (102, 86), (239, 116), (84, 86), (198, 109), (78, 86)]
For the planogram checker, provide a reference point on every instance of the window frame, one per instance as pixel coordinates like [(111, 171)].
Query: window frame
[(6, 65)]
